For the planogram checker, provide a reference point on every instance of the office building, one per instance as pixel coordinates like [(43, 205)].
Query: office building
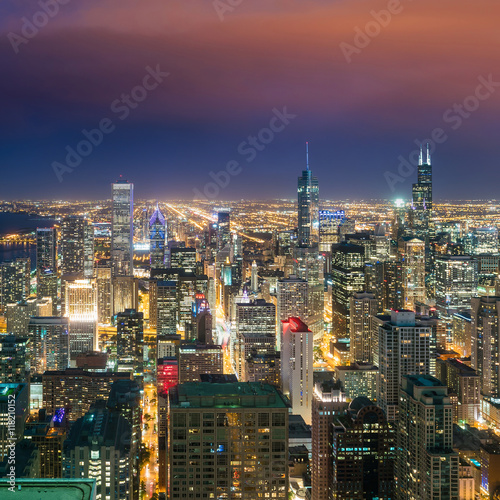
[(49, 344), (246, 455), (329, 223), (463, 382), (122, 228), (363, 306), (404, 348), (167, 374), (165, 306), (18, 314), (223, 229), (363, 453), (125, 293), (77, 246), (462, 333), (46, 264), (297, 366), (130, 341), (262, 367), (358, 379), (348, 278), (412, 253), (426, 465), (157, 239), (308, 207), (98, 447), (485, 352), (80, 306), (197, 359), (456, 283), (76, 390), (292, 301), (328, 402), (183, 258), (14, 281), (104, 293), (14, 361)]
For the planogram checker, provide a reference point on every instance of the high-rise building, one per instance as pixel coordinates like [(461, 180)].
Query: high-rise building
[(157, 238), (308, 264), (183, 258), (297, 366), (122, 230), (485, 333), (197, 359), (347, 277), (328, 402), (292, 301), (14, 281), (18, 315), (358, 379), (46, 264), (49, 343), (462, 333), (398, 221), (125, 293), (426, 465), (223, 229), (165, 308), (246, 455), (76, 390), (329, 223), (14, 362), (363, 453), (130, 341), (421, 206), (404, 348), (80, 306), (308, 206), (412, 251), (104, 293), (264, 368), (255, 331), (167, 374), (462, 382), (456, 283), (98, 447), (77, 246), (362, 309)]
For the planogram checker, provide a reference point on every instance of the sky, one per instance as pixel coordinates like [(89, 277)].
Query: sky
[(364, 82)]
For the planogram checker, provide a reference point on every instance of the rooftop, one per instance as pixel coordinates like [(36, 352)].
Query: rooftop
[(231, 394), (49, 489)]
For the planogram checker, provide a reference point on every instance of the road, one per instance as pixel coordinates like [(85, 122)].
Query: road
[(149, 473)]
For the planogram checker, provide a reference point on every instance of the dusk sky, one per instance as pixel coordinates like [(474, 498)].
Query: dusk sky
[(226, 77)]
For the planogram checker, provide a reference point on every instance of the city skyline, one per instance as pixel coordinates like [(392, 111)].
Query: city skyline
[(224, 85)]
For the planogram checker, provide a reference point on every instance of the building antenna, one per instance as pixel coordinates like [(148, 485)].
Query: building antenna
[(307, 155)]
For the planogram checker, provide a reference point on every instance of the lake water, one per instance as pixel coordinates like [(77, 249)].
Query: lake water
[(20, 223)]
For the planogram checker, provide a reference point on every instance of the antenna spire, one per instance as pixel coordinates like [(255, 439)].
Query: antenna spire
[(307, 155), (428, 155), (421, 157)]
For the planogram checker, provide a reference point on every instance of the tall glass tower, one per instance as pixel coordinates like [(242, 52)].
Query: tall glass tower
[(157, 232), (421, 208), (308, 206), (122, 228)]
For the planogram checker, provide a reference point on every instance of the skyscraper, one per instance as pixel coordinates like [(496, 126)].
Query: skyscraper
[(122, 229), (46, 249), (421, 207), (223, 229), (246, 455), (157, 238), (426, 466), (404, 348), (14, 281), (297, 366), (77, 246), (329, 223), (130, 341), (362, 309), (363, 453), (308, 206), (485, 332), (412, 251), (14, 363)]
